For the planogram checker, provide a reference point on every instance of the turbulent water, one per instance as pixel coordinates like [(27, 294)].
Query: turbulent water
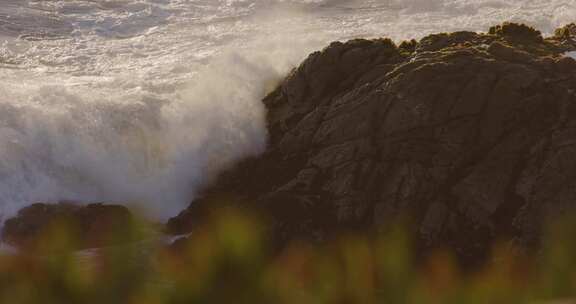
[(141, 102)]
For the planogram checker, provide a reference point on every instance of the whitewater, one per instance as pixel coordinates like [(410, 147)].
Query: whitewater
[(143, 102)]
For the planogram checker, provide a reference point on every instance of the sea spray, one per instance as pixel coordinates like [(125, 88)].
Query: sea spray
[(66, 142), (142, 102)]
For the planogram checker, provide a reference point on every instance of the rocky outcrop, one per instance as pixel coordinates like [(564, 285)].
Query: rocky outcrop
[(94, 225), (470, 135)]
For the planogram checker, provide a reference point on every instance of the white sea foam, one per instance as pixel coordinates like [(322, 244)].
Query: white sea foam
[(143, 101)]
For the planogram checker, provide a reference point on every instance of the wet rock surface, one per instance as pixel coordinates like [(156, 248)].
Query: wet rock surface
[(470, 135)]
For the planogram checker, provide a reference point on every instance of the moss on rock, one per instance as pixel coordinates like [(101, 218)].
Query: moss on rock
[(566, 32), (517, 32)]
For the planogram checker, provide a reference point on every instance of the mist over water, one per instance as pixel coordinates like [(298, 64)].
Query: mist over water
[(142, 102)]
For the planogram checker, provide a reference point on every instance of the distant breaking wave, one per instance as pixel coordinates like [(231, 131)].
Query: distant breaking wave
[(142, 102)]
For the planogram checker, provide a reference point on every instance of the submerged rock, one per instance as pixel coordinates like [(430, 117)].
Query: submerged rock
[(94, 225), (470, 135)]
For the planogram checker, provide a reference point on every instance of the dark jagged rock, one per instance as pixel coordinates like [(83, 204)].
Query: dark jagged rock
[(471, 135), (95, 225)]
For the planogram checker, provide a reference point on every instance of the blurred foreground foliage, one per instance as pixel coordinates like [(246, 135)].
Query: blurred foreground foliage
[(228, 260)]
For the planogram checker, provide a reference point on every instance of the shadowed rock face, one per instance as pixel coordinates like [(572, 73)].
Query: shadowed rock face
[(471, 135), (95, 225)]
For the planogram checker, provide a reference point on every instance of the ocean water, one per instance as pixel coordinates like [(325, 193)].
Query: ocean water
[(143, 102)]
